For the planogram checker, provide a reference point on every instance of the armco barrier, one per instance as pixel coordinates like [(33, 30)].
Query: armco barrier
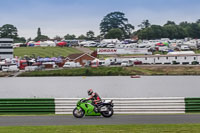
[(121, 105), (27, 105), (129, 105), (192, 105)]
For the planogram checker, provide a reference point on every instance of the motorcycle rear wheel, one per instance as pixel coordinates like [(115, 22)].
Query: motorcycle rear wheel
[(78, 113), (108, 113)]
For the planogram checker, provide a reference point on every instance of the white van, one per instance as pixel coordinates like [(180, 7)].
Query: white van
[(13, 68), (71, 65), (126, 63), (184, 47), (31, 68)]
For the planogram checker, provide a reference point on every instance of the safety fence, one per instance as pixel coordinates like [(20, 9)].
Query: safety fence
[(27, 106), (121, 105), (130, 105), (192, 105)]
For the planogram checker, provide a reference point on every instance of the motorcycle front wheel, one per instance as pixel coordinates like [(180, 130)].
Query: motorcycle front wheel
[(78, 113), (108, 113)]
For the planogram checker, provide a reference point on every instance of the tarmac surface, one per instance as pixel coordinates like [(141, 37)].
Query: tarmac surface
[(91, 120)]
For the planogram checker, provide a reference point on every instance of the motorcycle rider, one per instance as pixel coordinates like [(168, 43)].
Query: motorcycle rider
[(96, 100)]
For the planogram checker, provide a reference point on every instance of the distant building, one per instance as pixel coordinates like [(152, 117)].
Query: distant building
[(169, 59), (83, 59), (6, 48)]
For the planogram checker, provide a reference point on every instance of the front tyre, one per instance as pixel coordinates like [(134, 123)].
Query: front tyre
[(108, 113), (78, 113)]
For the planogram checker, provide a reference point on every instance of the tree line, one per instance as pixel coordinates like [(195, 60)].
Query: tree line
[(169, 30), (10, 31), (116, 25)]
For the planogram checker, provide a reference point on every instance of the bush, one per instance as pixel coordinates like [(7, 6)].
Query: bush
[(195, 62), (175, 63)]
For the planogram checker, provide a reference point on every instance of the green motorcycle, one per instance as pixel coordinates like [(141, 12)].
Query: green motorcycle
[(86, 108)]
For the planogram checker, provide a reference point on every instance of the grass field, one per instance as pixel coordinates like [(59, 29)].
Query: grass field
[(44, 51), (59, 51), (159, 128)]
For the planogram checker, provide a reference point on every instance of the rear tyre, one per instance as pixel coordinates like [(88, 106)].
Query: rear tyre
[(78, 113), (108, 113)]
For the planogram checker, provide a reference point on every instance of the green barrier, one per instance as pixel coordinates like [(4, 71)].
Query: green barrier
[(27, 106), (192, 105)]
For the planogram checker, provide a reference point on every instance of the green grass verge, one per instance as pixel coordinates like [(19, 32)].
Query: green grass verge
[(3, 74), (93, 48), (159, 128), (101, 71), (44, 51), (119, 71)]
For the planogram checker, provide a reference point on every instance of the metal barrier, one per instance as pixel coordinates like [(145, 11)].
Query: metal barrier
[(121, 105), (27, 106), (130, 105), (192, 105)]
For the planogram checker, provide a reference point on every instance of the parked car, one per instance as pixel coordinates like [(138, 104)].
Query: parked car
[(71, 65), (61, 44), (126, 63), (91, 45), (110, 45), (102, 45)]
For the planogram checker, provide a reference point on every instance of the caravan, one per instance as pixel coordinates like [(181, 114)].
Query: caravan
[(97, 62), (71, 65), (126, 63)]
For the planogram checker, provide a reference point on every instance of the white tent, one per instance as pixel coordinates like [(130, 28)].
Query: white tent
[(47, 43), (107, 41)]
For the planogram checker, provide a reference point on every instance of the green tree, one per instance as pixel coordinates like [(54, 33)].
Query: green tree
[(41, 38), (116, 20), (99, 38), (198, 21), (184, 24), (170, 23), (82, 37), (58, 38), (19, 40), (145, 24), (170, 31), (29, 39), (152, 32), (39, 32), (194, 30), (69, 37), (8, 31), (114, 34), (90, 35)]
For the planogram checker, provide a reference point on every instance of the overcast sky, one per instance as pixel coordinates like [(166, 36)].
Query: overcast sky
[(61, 17)]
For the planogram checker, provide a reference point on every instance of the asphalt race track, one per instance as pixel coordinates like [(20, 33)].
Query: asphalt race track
[(116, 119)]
